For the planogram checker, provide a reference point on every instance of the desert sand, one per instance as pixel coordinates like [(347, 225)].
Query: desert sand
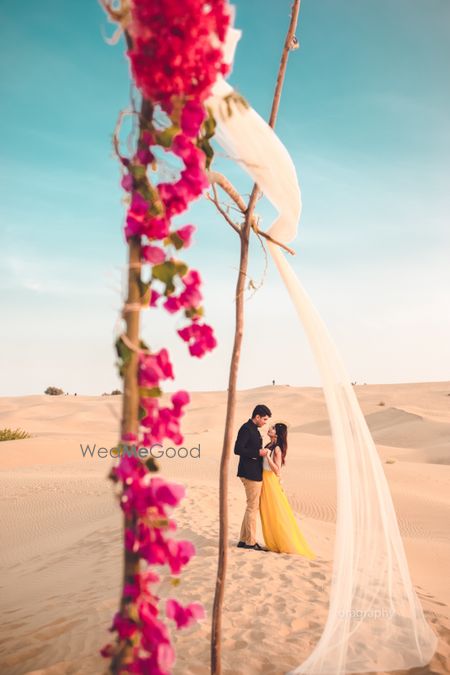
[(61, 554)]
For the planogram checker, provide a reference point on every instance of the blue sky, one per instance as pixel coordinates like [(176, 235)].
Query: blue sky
[(364, 115)]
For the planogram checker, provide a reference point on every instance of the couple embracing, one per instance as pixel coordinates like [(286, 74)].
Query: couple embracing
[(260, 471)]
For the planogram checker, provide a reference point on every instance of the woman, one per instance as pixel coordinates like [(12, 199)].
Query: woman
[(280, 528)]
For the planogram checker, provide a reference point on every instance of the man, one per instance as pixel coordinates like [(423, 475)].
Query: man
[(249, 448)]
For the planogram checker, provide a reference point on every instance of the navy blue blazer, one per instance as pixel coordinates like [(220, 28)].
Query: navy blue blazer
[(247, 446)]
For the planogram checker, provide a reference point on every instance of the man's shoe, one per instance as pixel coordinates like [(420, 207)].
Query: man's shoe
[(242, 544), (257, 547)]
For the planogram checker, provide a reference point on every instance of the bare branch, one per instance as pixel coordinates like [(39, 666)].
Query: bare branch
[(288, 45), (271, 239), (223, 213), (228, 187)]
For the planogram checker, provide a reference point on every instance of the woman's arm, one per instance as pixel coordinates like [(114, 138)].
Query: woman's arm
[(275, 463)]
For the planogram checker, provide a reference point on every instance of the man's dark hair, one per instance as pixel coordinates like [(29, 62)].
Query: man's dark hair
[(261, 410)]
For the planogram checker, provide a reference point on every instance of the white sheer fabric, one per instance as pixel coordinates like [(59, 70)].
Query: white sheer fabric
[(375, 621)]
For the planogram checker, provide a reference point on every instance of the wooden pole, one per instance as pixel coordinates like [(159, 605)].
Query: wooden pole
[(216, 627), (130, 404), (216, 631), (130, 424)]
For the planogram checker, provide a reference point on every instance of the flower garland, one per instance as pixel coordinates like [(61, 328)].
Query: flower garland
[(148, 498), (175, 50)]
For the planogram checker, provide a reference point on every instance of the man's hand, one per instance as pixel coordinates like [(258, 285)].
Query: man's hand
[(263, 452)]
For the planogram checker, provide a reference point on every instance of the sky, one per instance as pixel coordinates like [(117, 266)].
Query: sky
[(364, 115)]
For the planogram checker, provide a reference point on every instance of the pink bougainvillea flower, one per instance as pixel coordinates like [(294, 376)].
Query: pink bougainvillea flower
[(145, 156), (162, 424), (127, 182), (153, 254), (159, 663), (192, 118), (168, 493), (153, 368), (162, 358), (154, 631), (150, 403), (154, 296), (133, 227), (184, 616), (192, 278), (168, 60), (180, 399), (124, 626), (107, 651), (129, 437), (172, 424), (179, 554), (185, 234), (200, 338), (190, 297), (150, 493), (137, 212), (175, 200), (148, 543), (141, 586), (172, 304), (156, 228), (130, 467), (147, 137), (139, 206), (149, 577), (172, 525), (187, 150), (193, 182), (165, 656)]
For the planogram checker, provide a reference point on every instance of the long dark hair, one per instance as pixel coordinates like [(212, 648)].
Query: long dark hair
[(281, 432)]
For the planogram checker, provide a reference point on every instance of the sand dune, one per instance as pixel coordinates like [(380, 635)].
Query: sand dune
[(61, 527), (395, 427)]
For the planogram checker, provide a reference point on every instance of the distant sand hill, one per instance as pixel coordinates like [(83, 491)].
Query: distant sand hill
[(61, 527)]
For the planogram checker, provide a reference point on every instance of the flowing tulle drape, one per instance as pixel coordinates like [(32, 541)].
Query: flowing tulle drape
[(375, 621)]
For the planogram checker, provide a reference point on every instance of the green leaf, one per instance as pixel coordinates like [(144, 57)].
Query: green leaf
[(164, 271), (151, 464), (133, 612), (124, 353), (138, 171), (144, 292), (181, 268), (208, 130), (207, 149), (165, 137), (193, 311), (209, 125), (154, 392), (176, 240)]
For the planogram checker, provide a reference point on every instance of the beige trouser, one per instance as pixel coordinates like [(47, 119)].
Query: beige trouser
[(248, 528)]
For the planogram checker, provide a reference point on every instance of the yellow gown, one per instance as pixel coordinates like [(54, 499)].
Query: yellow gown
[(279, 525)]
